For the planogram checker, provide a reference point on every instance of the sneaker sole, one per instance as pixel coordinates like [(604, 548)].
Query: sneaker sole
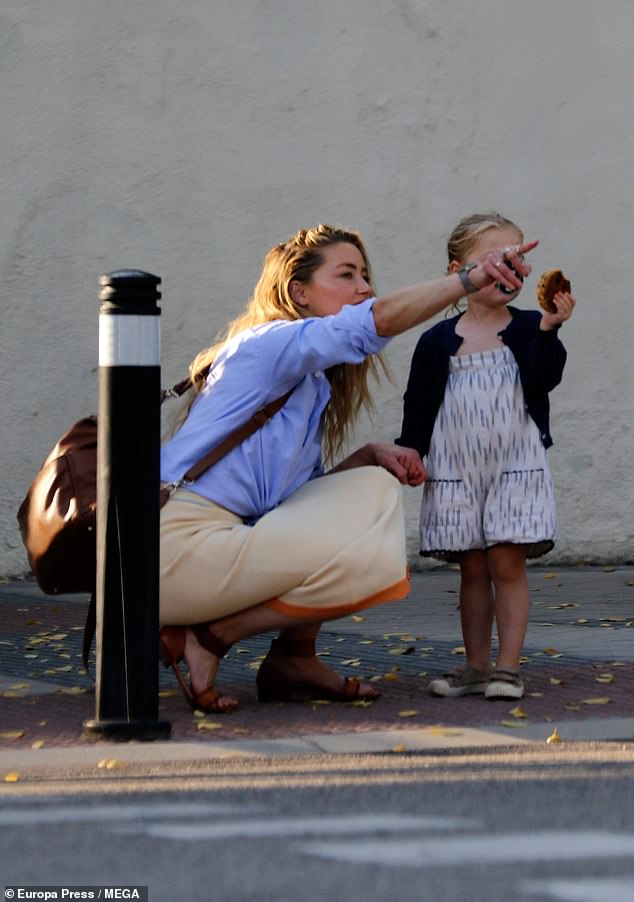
[(503, 690), (455, 692)]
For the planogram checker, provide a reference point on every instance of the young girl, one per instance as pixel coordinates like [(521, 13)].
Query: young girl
[(477, 406)]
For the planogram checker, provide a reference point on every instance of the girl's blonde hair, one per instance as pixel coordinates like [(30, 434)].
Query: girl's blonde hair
[(297, 259), (470, 229)]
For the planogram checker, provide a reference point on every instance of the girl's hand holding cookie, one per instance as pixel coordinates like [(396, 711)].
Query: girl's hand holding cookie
[(555, 299)]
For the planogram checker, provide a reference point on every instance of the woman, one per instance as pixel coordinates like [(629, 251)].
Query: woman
[(265, 540)]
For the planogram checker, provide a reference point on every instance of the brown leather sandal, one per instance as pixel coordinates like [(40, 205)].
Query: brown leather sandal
[(171, 652), (274, 686)]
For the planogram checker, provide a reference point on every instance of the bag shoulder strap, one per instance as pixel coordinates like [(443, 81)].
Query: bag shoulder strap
[(259, 418)]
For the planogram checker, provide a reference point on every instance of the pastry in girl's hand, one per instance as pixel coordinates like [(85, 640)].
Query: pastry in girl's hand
[(549, 283)]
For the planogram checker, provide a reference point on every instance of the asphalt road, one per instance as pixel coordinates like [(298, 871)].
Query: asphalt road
[(547, 823)]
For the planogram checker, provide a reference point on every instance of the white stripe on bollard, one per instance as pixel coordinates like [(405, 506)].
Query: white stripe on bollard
[(129, 340)]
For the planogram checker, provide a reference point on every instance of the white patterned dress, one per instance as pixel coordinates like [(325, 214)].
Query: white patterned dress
[(488, 475)]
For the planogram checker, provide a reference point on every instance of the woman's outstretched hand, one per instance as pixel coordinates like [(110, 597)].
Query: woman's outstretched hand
[(504, 265)]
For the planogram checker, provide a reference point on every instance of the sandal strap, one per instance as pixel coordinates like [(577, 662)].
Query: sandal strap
[(209, 640), (351, 688)]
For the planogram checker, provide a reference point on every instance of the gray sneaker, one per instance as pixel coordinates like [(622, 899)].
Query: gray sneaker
[(465, 680), (504, 684)]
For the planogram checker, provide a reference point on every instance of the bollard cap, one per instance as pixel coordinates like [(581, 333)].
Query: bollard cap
[(129, 291)]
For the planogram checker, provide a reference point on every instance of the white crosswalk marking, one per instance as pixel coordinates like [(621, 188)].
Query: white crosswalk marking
[(586, 889), (357, 839), (303, 826), (142, 812), (492, 848)]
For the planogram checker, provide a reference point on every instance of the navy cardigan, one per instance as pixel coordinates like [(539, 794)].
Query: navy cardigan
[(540, 358)]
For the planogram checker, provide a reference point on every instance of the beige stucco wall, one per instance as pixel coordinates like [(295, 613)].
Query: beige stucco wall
[(186, 138)]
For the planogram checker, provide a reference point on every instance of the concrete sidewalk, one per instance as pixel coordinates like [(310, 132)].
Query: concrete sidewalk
[(578, 669)]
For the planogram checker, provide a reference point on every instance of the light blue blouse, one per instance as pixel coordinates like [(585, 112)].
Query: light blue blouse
[(256, 367)]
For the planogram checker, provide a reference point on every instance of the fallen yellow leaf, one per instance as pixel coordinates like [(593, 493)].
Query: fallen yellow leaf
[(555, 682), (410, 712), (38, 744), (11, 734), (356, 618), (11, 778), (512, 723), (554, 736), (600, 700), (209, 725), (518, 712), (458, 650), (391, 677), (111, 764), (73, 690), (605, 678), (399, 748), (167, 693), (443, 731), (552, 652)]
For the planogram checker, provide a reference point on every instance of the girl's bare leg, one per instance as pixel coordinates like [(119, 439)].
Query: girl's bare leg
[(477, 608), (507, 565)]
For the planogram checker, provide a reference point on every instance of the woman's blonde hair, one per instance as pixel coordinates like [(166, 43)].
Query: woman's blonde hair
[(297, 259), (470, 229)]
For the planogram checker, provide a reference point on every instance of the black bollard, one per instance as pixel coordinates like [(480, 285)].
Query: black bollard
[(128, 475)]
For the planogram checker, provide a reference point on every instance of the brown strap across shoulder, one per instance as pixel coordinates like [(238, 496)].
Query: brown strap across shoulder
[(259, 418)]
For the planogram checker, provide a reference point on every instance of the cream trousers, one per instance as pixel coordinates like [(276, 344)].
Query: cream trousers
[(337, 545)]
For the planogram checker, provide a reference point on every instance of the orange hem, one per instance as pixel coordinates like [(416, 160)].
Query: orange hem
[(395, 592)]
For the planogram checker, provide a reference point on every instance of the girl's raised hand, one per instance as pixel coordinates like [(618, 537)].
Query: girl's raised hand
[(565, 304)]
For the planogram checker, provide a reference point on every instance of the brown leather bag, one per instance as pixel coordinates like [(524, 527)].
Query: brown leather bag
[(57, 518)]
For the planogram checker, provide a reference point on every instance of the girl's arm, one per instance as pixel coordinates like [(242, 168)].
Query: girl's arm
[(416, 398), (547, 355)]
